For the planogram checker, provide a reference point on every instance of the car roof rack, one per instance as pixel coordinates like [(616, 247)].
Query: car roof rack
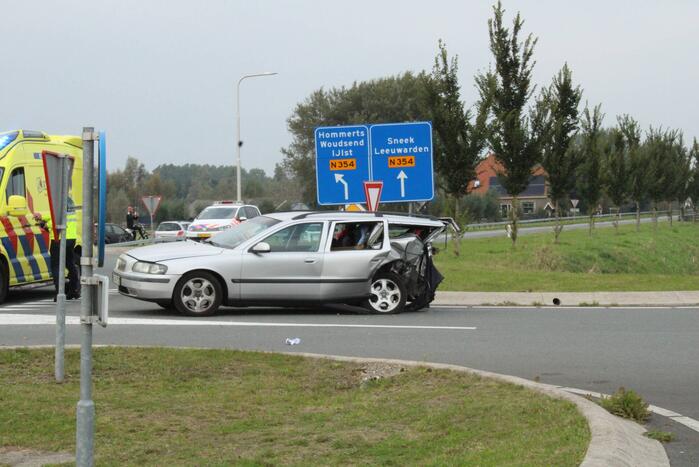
[(305, 214)]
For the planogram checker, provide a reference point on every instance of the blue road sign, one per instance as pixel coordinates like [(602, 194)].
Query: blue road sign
[(102, 197), (401, 157), (342, 163)]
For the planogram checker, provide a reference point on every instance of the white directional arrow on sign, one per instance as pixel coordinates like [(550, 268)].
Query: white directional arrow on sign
[(340, 178), (401, 176)]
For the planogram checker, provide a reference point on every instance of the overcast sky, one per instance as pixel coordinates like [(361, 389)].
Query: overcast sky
[(159, 76)]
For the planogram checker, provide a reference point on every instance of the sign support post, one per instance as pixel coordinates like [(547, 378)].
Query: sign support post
[(85, 432), (57, 172), (61, 296)]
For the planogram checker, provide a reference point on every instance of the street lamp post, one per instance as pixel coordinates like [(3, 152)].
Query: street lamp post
[(237, 119)]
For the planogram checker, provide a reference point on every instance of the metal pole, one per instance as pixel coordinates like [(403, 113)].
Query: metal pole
[(237, 142), (61, 295), (85, 433), (238, 190)]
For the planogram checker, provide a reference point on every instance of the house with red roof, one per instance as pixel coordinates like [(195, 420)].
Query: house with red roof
[(534, 198)]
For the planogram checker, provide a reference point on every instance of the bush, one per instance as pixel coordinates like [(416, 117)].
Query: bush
[(627, 404)]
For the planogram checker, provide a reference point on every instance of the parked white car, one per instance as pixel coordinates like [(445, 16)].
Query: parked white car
[(171, 231), (220, 216)]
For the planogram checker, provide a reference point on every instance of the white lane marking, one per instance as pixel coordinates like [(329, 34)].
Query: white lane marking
[(663, 412), (22, 320), (573, 307), (686, 421), (24, 305)]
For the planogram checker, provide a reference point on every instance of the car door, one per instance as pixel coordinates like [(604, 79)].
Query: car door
[(353, 253), (290, 271)]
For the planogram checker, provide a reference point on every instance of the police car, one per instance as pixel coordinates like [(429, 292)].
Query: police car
[(218, 217)]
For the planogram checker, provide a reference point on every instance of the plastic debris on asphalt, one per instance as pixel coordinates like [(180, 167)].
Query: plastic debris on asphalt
[(293, 340)]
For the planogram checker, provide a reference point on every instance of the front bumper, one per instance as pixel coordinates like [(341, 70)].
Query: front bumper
[(145, 286)]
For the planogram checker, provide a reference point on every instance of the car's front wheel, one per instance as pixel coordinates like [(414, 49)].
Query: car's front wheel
[(198, 293), (387, 294)]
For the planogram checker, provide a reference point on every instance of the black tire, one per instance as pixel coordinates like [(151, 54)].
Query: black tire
[(388, 294), (4, 282), (204, 291)]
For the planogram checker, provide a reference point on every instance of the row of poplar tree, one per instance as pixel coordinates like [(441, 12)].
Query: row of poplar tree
[(522, 130)]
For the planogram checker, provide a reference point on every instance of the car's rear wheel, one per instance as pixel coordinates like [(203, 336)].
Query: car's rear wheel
[(387, 294), (198, 293)]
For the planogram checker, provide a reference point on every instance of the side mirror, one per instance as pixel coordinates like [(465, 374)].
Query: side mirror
[(262, 247), (242, 218), (17, 206)]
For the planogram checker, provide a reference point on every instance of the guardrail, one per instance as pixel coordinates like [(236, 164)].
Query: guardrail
[(567, 219), (146, 241)]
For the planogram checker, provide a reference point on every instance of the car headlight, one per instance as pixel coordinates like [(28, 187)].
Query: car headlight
[(121, 264), (149, 268)]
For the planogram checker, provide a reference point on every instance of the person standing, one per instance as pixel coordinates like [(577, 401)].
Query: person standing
[(71, 233), (130, 219)]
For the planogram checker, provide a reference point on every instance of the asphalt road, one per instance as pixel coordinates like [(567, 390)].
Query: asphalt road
[(653, 351)]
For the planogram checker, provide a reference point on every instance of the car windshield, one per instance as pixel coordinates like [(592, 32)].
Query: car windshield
[(245, 231), (218, 212)]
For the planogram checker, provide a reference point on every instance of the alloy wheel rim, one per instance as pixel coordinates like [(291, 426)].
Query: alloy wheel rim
[(198, 295), (385, 295)]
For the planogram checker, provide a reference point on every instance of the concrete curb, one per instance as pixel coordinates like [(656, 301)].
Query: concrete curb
[(671, 298), (614, 441)]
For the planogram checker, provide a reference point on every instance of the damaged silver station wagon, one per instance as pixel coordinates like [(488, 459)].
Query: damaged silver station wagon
[(382, 262)]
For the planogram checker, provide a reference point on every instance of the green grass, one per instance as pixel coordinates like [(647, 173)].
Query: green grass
[(215, 407), (664, 260)]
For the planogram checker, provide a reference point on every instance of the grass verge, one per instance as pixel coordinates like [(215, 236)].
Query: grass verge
[(608, 261), (216, 407)]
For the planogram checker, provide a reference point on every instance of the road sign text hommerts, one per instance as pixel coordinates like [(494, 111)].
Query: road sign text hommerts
[(398, 154)]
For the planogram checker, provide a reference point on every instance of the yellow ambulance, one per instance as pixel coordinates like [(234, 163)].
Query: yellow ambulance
[(24, 247)]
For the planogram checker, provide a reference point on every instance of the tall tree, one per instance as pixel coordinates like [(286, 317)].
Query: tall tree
[(659, 147), (561, 123), (392, 99), (616, 177), (639, 172), (679, 173), (514, 132), (693, 188), (460, 141), (589, 173)]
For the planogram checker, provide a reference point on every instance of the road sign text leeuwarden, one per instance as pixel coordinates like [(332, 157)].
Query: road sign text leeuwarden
[(399, 154), (401, 157)]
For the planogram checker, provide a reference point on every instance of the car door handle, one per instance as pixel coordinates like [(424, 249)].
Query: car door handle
[(310, 260)]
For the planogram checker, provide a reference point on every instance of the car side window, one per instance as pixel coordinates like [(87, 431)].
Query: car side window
[(357, 236), (300, 237), (251, 212), (15, 184)]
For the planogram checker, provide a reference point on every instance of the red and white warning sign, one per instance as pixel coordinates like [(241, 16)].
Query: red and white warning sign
[(372, 190), (151, 203)]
